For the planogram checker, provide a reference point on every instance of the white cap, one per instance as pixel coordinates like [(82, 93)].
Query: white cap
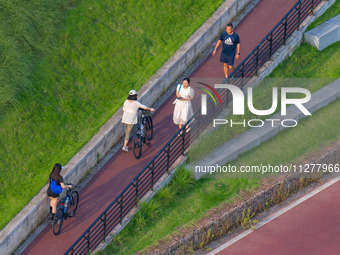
[(132, 92)]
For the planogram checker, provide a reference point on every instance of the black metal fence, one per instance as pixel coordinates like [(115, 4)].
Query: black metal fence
[(161, 163)]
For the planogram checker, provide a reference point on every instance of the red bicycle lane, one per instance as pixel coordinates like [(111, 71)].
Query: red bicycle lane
[(311, 227), (120, 170)]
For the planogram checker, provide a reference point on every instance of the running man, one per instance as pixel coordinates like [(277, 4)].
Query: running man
[(231, 46)]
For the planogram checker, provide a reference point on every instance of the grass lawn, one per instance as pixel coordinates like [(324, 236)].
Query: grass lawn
[(73, 80), (184, 201)]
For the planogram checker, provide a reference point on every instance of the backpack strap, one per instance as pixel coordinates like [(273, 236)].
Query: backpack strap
[(51, 179), (180, 86)]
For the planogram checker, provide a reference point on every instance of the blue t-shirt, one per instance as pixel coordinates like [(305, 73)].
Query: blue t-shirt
[(229, 43)]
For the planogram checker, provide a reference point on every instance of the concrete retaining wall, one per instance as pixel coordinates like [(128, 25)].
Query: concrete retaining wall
[(225, 219), (325, 34), (33, 214)]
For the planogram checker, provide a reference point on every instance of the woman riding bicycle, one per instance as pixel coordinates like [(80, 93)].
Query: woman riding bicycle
[(55, 187), (130, 108)]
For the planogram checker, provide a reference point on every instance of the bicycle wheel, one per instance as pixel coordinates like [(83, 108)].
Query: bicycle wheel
[(137, 145), (148, 127), (57, 221), (73, 205)]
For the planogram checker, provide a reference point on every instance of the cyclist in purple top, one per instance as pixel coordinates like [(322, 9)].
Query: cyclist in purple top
[(231, 46)]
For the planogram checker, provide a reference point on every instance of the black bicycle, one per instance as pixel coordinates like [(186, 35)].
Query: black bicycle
[(144, 133), (67, 208)]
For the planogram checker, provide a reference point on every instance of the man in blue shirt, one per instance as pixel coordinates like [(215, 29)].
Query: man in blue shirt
[(231, 46)]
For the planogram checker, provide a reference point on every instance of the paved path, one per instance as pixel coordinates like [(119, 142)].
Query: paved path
[(311, 227), (123, 167)]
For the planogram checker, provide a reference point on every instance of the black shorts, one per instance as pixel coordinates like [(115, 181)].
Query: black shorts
[(227, 59), (50, 193)]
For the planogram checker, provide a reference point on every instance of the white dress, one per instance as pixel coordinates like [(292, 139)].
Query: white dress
[(183, 109)]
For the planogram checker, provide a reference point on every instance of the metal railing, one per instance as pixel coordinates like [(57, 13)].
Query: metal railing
[(161, 163)]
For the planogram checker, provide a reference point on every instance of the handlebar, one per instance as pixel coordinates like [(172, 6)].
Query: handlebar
[(73, 186), (143, 110)]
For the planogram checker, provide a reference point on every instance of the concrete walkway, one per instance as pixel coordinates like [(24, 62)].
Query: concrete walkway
[(123, 167)]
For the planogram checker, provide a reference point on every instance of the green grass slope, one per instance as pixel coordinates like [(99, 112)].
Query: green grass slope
[(27, 32), (76, 78)]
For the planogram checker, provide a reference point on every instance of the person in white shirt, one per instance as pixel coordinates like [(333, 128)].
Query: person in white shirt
[(130, 108)]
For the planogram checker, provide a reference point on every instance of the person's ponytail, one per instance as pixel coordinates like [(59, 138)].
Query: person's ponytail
[(56, 171)]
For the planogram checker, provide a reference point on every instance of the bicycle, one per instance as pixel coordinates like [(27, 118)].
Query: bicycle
[(67, 208), (144, 133)]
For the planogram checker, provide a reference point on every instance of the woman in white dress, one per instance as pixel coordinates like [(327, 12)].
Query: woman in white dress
[(130, 108), (183, 108)]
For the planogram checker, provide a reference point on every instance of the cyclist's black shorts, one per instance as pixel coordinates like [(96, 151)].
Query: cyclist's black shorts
[(50, 193)]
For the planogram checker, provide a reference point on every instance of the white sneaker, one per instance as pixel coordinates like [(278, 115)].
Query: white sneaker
[(125, 148)]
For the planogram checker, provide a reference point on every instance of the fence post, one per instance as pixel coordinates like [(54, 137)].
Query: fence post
[(136, 186), (183, 139), (88, 241), (121, 209), (152, 174), (257, 60), (299, 16), (199, 125), (312, 8), (285, 31), (213, 107), (242, 77), (168, 158), (270, 39), (104, 226), (227, 101)]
